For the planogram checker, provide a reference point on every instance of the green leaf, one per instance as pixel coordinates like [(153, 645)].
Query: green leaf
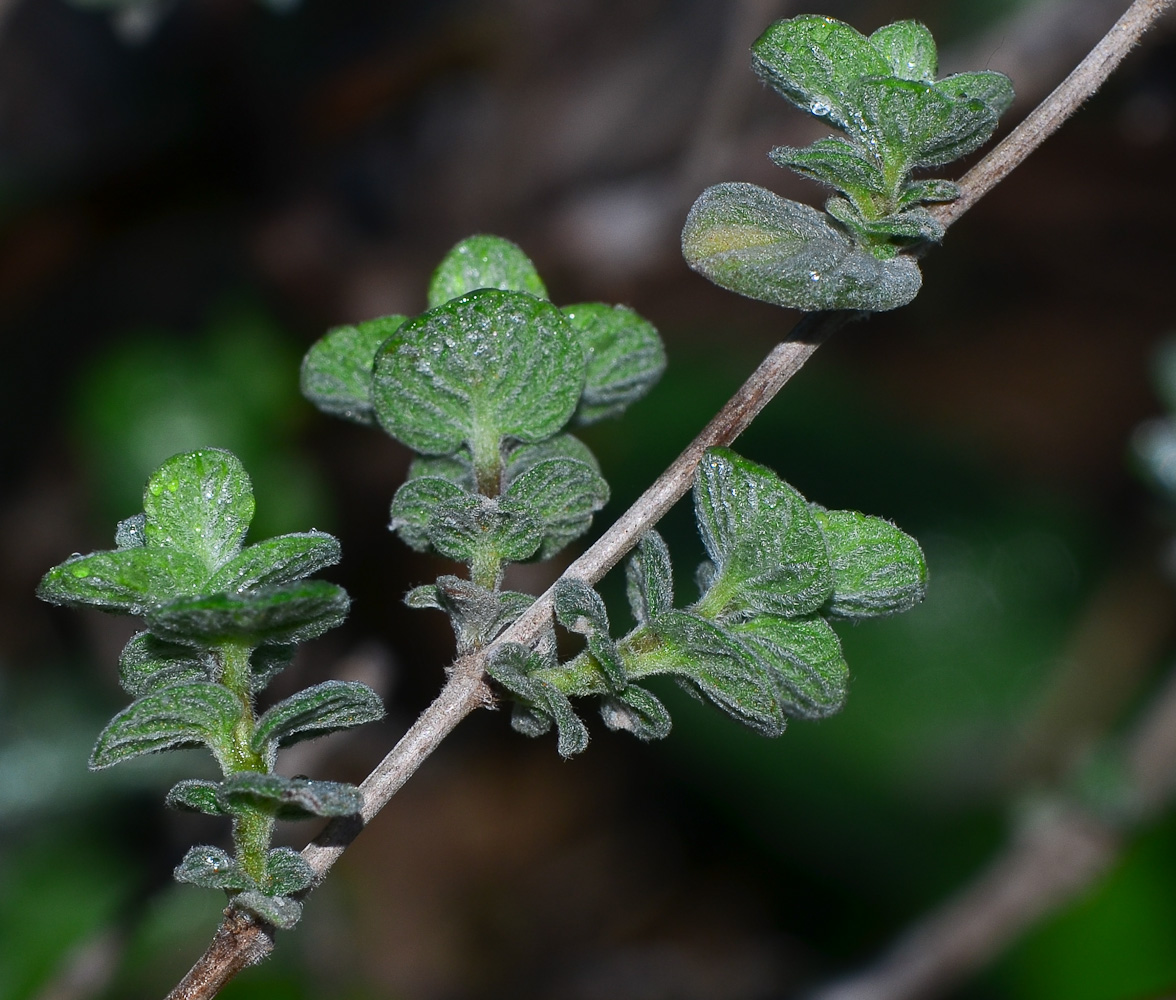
[(994, 89), (212, 868), (624, 354), (129, 533), (476, 370), (194, 795), (416, 502), (814, 61), (276, 561), (835, 162), (909, 225), (803, 657), (716, 665), (277, 615), (636, 711), (457, 468), (336, 373), (281, 911), (267, 662), (916, 192), (649, 578), (199, 503), (578, 607), (748, 240), (184, 715), (877, 568), (909, 49), (511, 665), (148, 663), (525, 456), (288, 798), (561, 495), (286, 871), (473, 528), (767, 547), (316, 711), (484, 262), (126, 581), (477, 614)]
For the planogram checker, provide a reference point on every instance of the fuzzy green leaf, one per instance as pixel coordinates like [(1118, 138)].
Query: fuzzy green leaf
[(919, 192), (316, 711), (472, 528), (193, 795), (636, 711), (835, 162), (277, 615), (994, 89), (802, 656), (281, 911), (267, 662), (478, 369), (276, 561), (561, 494), (525, 456), (877, 568), (511, 665), (414, 505), (814, 61), (122, 581), (624, 354), (909, 49), (286, 871), (130, 532), (148, 663), (912, 224), (484, 262), (212, 868), (288, 798), (649, 578), (184, 715), (748, 240), (199, 503), (336, 373), (713, 663), (457, 468), (578, 607), (767, 547), (476, 613)]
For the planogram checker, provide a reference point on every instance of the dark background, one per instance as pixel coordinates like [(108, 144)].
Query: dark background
[(191, 194)]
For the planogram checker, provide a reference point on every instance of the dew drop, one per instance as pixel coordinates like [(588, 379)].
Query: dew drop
[(819, 108), (814, 275)]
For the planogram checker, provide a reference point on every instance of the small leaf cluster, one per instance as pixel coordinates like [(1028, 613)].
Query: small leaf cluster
[(223, 618), (482, 386), (758, 643), (880, 92)]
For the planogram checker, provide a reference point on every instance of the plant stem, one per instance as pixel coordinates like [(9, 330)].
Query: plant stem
[(242, 941)]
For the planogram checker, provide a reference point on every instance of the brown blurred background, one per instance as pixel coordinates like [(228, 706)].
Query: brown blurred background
[(191, 192)]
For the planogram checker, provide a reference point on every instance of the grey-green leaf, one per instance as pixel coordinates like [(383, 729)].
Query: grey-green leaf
[(288, 798), (522, 457), (649, 578), (148, 663), (276, 561), (877, 568), (212, 868), (813, 61), (281, 911), (276, 616), (484, 262), (184, 715), (636, 711), (994, 89), (488, 366), (416, 502), (199, 503), (751, 241), (713, 663), (624, 354), (909, 49), (474, 528), (126, 581), (578, 607), (561, 494), (476, 613), (803, 657), (286, 871), (336, 373), (768, 549), (917, 192), (316, 711), (194, 795), (511, 664), (457, 468), (129, 533), (836, 162)]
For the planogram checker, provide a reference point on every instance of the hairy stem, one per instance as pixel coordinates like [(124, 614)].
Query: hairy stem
[(242, 941)]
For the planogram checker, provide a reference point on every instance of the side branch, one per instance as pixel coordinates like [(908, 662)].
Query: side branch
[(241, 941)]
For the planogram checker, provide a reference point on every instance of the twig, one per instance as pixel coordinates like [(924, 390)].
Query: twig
[(242, 941)]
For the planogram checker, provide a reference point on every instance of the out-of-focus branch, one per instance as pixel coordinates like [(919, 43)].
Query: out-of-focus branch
[(242, 941)]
